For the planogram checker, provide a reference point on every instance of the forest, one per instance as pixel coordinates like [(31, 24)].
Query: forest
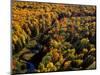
[(51, 37)]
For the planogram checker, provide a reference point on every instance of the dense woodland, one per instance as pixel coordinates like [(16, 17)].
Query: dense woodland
[(50, 37)]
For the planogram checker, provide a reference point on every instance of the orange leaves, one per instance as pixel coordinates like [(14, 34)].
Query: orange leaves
[(63, 22), (13, 66), (55, 56), (67, 64)]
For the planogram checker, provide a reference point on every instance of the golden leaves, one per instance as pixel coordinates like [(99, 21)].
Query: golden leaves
[(67, 64), (50, 65)]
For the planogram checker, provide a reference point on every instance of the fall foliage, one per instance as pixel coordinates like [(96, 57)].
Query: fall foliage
[(48, 37)]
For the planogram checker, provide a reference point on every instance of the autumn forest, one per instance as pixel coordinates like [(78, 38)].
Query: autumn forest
[(49, 37)]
